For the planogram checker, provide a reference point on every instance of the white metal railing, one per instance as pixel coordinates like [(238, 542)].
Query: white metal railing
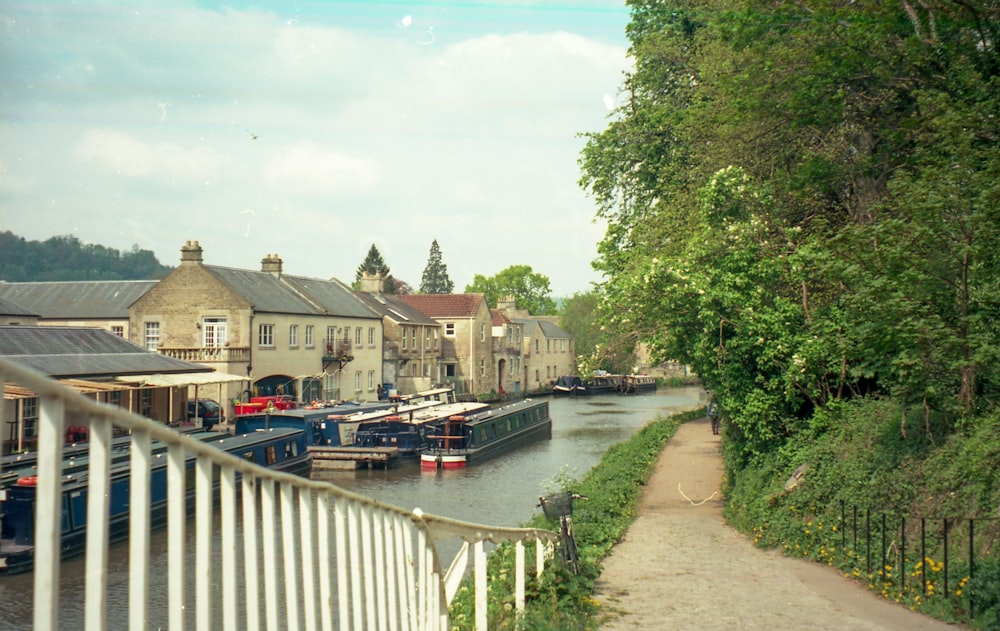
[(343, 561)]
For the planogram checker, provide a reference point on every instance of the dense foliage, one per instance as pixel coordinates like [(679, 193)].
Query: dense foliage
[(803, 204), (65, 258), (435, 279), (529, 289)]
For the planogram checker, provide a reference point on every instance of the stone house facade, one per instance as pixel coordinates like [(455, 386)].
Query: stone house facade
[(466, 340), (507, 341), (411, 345), (307, 338), (549, 352)]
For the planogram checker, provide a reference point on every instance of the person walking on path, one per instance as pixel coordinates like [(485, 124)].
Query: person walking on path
[(681, 566)]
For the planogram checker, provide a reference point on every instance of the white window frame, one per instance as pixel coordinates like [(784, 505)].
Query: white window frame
[(371, 337), (371, 380), (293, 335), (357, 335), (151, 335), (309, 336), (214, 330), (265, 336), (357, 381)]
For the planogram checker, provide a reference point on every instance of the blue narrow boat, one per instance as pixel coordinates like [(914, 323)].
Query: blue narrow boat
[(465, 440), (282, 449), (599, 383)]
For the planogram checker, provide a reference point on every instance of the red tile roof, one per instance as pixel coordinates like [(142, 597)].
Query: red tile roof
[(446, 305)]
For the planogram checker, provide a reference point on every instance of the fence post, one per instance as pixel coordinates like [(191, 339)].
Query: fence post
[(868, 541), (923, 556), (881, 568), (945, 591), (972, 565), (902, 554)]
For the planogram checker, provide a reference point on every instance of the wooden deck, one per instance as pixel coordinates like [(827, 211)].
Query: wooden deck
[(346, 458)]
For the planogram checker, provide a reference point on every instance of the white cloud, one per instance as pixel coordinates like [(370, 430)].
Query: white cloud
[(470, 140)]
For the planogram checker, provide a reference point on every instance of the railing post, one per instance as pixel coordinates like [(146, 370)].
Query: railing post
[(923, 556), (519, 576), (884, 559), (48, 516), (972, 566), (479, 557), (98, 503), (945, 592), (902, 554), (139, 524)]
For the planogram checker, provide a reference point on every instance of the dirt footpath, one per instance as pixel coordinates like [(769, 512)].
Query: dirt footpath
[(681, 566)]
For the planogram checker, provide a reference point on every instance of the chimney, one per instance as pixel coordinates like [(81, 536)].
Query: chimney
[(191, 253), (371, 283), (271, 264), (506, 303)]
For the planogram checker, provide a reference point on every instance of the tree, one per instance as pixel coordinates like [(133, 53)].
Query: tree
[(530, 290), (374, 265), (435, 279)]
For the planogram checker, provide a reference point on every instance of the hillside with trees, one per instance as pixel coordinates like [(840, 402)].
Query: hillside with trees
[(66, 258), (803, 204)]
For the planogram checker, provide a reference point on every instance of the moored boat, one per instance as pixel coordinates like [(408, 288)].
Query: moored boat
[(633, 384), (409, 433), (282, 449), (599, 383), (469, 439)]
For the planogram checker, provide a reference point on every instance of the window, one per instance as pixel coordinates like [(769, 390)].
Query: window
[(427, 369), (537, 345), (402, 331), (482, 367), (357, 336), (309, 336), (548, 346), (118, 330), (449, 329), (271, 454), (146, 403), (29, 417), (213, 332), (347, 334), (151, 336), (265, 335), (413, 338), (562, 346), (371, 380), (115, 398), (449, 370), (538, 376), (435, 339), (331, 335), (293, 335), (371, 337), (357, 381), (482, 332)]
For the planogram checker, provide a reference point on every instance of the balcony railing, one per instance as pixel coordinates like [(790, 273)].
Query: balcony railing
[(222, 354), (295, 553)]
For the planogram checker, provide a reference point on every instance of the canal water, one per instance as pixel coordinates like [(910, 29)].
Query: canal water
[(501, 492)]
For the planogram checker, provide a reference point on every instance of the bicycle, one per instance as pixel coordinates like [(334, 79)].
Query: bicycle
[(561, 505)]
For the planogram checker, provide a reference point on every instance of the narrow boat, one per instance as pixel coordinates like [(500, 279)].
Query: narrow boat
[(282, 449), (633, 384), (335, 426), (470, 439), (409, 433), (600, 383)]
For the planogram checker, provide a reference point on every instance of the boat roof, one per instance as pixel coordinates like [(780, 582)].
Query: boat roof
[(490, 414)]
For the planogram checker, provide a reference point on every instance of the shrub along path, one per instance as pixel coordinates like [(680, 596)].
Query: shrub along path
[(680, 566)]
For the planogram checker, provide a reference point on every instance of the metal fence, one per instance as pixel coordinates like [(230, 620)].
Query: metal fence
[(292, 553), (922, 559)]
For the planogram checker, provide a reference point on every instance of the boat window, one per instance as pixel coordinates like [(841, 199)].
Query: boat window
[(290, 449), (248, 455), (271, 454)]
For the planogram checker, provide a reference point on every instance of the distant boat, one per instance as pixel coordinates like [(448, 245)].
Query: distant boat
[(600, 383), (281, 449), (633, 384), (465, 440)]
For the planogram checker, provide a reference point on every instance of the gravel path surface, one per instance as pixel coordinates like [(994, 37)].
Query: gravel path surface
[(680, 566)]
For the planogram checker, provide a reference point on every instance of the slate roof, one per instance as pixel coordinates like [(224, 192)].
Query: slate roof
[(390, 306), (550, 329), (282, 293), (99, 299), (8, 308), (83, 352), (446, 305)]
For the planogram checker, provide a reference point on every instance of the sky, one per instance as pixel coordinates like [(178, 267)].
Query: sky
[(312, 130)]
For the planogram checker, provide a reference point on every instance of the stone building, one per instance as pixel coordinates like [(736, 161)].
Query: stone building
[(508, 335), (466, 339), (307, 338), (411, 344)]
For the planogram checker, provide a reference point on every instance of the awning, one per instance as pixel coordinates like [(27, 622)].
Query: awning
[(181, 379), (13, 392)]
